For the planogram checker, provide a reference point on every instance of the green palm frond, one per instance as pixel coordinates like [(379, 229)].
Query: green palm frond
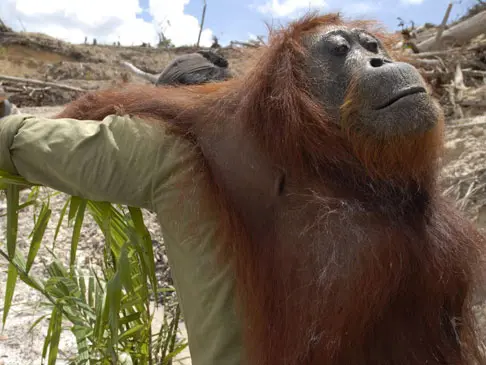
[(108, 310)]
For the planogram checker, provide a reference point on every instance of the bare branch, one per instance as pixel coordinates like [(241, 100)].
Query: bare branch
[(202, 22), (438, 38)]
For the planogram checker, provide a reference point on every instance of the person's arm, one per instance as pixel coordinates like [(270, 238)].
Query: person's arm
[(116, 160)]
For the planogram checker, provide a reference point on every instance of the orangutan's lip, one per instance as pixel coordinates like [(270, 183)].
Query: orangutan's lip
[(401, 94)]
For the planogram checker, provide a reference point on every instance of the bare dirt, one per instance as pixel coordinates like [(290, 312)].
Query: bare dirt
[(93, 67), (36, 56)]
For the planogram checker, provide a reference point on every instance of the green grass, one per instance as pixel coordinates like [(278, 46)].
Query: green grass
[(108, 312)]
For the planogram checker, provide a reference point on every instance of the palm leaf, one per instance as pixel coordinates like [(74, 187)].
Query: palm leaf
[(56, 319), (109, 310), (38, 234), (80, 208), (9, 292)]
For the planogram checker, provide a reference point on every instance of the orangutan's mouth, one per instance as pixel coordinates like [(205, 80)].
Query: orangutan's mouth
[(402, 94)]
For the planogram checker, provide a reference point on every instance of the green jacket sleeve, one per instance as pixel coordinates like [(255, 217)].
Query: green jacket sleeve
[(115, 160), (128, 161)]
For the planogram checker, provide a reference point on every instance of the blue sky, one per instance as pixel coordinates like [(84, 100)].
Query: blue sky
[(235, 19), (132, 22)]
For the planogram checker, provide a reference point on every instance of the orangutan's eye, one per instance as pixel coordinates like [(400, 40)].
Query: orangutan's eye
[(341, 49), (372, 46)]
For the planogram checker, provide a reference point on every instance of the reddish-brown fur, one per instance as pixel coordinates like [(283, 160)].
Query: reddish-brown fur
[(404, 271)]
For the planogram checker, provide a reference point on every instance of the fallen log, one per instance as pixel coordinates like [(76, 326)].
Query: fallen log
[(42, 83), (478, 47), (419, 62), (458, 34)]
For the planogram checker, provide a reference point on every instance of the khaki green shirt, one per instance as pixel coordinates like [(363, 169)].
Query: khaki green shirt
[(127, 161)]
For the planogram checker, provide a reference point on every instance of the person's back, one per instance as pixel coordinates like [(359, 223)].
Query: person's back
[(195, 68), (189, 69)]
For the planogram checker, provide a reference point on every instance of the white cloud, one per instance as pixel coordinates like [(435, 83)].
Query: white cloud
[(106, 20), (169, 14), (282, 8)]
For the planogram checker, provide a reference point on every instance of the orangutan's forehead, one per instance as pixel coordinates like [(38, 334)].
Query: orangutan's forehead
[(338, 30)]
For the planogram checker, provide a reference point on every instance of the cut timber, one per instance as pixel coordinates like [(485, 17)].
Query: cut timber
[(419, 62), (42, 83), (478, 47), (459, 34)]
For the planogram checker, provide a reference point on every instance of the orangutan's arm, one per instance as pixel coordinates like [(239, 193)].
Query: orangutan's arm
[(121, 159)]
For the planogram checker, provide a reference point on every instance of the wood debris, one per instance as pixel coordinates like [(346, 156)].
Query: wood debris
[(453, 60), (29, 92)]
